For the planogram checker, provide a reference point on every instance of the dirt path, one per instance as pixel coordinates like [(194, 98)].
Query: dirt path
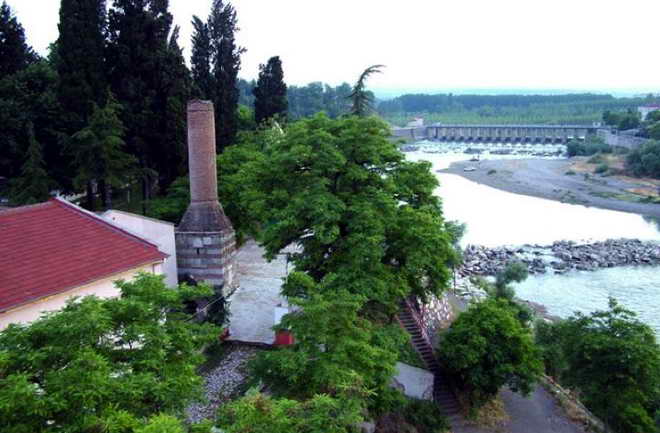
[(538, 413), (548, 179)]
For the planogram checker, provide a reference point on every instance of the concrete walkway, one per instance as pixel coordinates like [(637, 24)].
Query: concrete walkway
[(253, 306), (539, 413)]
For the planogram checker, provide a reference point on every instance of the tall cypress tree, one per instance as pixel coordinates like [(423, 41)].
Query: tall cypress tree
[(81, 68), (81, 59), (226, 60), (33, 185), (271, 92), (15, 54), (201, 60), (142, 62)]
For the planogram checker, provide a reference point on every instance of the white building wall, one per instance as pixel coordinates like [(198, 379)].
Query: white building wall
[(155, 231), (103, 288), (644, 111)]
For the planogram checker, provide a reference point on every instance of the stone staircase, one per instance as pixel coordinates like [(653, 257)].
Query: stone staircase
[(442, 393)]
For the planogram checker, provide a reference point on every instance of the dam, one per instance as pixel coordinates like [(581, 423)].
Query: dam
[(550, 134)]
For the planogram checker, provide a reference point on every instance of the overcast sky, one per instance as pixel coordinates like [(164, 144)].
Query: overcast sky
[(432, 44)]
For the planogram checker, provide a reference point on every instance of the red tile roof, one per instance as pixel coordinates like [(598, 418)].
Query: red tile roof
[(53, 247)]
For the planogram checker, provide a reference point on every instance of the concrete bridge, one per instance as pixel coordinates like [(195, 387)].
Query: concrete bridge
[(499, 133)]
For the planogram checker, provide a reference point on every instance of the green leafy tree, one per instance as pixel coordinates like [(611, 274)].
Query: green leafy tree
[(257, 413), (345, 194), (102, 364), (654, 130), (645, 160), (334, 346), (361, 99), (33, 186), (486, 348), (99, 154), (613, 360), (15, 54), (28, 99), (270, 94), (370, 232)]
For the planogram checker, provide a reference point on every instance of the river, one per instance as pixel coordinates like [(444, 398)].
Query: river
[(496, 218)]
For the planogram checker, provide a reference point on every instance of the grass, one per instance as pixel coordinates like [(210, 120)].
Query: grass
[(624, 196)]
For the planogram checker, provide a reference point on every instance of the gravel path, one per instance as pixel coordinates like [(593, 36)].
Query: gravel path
[(547, 179), (222, 382)]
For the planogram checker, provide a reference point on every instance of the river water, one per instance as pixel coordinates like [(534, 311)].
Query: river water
[(496, 218)]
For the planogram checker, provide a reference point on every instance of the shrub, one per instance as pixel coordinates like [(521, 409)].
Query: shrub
[(645, 160), (570, 173), (597, 159), (425, 416), (591, 146), (602, 168), (612, 359), (487, 348), (492, 171)]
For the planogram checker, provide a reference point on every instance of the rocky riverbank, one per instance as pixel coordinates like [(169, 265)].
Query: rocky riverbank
[(561, 257)]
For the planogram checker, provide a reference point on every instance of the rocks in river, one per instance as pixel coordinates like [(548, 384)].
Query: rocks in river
[(561, 256)]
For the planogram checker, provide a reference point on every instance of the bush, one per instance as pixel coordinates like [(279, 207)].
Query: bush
[(591, 146), (492, 171), (597, 159), (602, 168), (425, 416), (645, 160), (612, 359), (487, 348)]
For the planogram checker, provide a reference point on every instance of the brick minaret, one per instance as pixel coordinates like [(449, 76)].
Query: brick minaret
[(205, 239)]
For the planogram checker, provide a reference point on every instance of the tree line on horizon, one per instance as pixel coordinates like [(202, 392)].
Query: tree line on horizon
[(578, 108)]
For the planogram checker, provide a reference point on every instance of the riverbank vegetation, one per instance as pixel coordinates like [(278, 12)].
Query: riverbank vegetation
[(612, 361)]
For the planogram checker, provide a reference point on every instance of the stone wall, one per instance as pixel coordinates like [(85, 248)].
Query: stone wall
[(435, 315), (208, 257), (418, 133), (617, 140)]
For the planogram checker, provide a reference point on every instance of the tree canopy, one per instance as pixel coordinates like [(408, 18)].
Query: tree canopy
[(613, 360), (487, 348), (99, 151), (15, 53), (103, 364), (645, 160), (346, 195)]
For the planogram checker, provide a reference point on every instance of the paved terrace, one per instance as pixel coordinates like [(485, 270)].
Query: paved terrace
[(253, 305)]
